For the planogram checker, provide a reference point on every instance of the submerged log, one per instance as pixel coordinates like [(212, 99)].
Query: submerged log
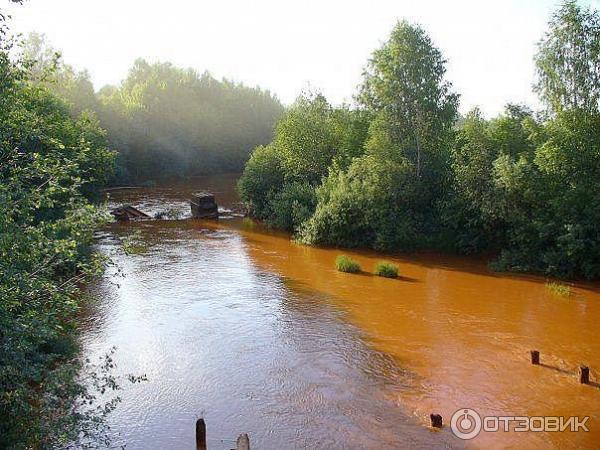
[(128, 212), (203, 206)]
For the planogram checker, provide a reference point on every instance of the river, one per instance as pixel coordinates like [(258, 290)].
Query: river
[(260, 335)]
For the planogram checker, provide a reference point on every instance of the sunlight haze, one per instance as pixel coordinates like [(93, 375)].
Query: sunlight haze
[(287, 47)]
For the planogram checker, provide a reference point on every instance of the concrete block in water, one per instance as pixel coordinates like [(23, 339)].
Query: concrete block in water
[(204, 206)]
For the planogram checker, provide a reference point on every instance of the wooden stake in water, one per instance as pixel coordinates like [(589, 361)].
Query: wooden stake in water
[(436, 420), (584, 375), (200, 434), (535, 357), (243, 442)]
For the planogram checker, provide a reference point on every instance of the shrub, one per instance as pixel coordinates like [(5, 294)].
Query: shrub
[(134, 243), (262, 177), (386, 269), (345, 264), (50, 164), (369, 205), (292, 206), (559, 289)]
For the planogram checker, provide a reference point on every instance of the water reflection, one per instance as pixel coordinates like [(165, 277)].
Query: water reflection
[(250, 350)]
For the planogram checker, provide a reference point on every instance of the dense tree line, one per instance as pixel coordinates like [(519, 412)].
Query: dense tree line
[(165, 121), (401, 172), (51, 164)]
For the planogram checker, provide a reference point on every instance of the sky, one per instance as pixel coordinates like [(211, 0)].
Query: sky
[(288, 46)]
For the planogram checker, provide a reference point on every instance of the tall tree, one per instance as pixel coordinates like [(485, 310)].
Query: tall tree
[(568, 60), (404, 84)]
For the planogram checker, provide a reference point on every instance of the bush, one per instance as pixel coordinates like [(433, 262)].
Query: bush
[(279, 181), (386, 269), (134, 243), (345, 264), (369, 205), (292, 206), (262, 178), (559, 289)]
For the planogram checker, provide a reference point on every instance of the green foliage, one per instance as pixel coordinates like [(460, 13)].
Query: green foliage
[(532, 198), (365, 206), (555, 228), (559, 289), (292, 206), (476, 210), (385, 199), (312, 134), (568, 60), (279, 181), (306, 139), (386, 269), (401, 174), (168, 121), (163, 120), (134, 243), (263, 176), (50, 165), (404, 85), (346, 264)]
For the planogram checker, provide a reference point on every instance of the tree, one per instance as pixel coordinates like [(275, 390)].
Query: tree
[(279, 180), (568, 60), (404, 85), (168, 121)]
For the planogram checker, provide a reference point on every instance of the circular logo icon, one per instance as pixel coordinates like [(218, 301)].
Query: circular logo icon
[(465, 423)]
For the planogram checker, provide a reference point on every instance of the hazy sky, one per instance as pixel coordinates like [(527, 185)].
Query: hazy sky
[(286, 46)]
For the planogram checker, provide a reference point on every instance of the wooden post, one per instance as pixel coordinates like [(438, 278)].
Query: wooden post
[(200, 434), (436, 420), (243, 442), (584, 375), (535, 357)]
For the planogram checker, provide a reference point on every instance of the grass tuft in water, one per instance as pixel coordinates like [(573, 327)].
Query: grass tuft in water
[(134, 244), (345, 264), (559, 289), (386, 269)]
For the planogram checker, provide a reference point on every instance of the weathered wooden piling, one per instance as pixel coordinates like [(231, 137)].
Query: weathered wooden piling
[(535, 357), (200, 434), (243, 442), (584, 375), (436, 420), (203, 206)]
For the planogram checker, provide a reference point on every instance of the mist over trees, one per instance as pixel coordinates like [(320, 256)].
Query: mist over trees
[(162, 120), (523, 186), (167, 121)]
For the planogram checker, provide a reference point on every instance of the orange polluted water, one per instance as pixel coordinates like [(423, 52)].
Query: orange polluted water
[(371, 358)]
